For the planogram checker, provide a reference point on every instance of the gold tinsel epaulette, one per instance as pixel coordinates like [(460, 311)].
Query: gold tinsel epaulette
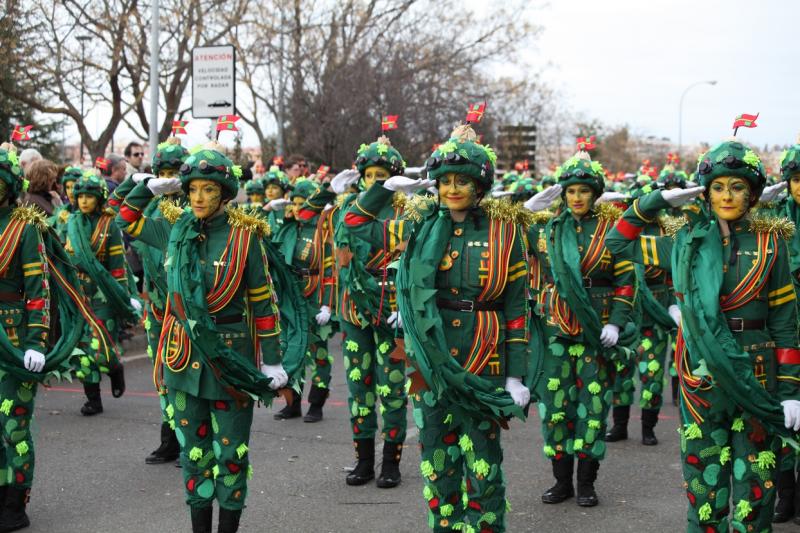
[(765, 205), (399, 201), (342, 198), (239, 217), (607, 212), (507, 211), (541, 217), (109, 212), (30, 214), (781, 226), (672, 225), (417, 207), (171, 210)]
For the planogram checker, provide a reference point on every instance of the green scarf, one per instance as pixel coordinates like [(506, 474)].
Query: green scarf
[(152, 263), (79, 230), (697, 273), (649, 304), (469, 397)]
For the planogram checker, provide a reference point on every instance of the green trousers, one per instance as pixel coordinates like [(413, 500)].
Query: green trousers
[(574, 400), (213, 435), (91, 364), (372, 374), (16, 412), (728, 458), (462, 469), (319, 361), (650, 360)]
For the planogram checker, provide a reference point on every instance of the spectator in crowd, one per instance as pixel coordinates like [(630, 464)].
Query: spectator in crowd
[(117, 171), (28, 156), (296, 168), (42, 176), (134, 154)]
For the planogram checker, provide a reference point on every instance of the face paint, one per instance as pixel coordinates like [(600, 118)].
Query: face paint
[(87, 203), (274, 192), (168, 173), (256, 198), (457, 191), (794, 187), (297, 203), (68, 188), (729, 198), (205, 197), (373, 174), (579, 199)]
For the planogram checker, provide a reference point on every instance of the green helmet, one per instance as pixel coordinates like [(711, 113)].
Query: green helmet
[(790, 162), (304, 189), (169, 155), (380, 154), (11, 174), (671, 176), (580, 169), (254, 186), (732, 158), (275, 176), (209, 164), (71, 174), (462, 154), (522, 189), (91, 184), (509, 178)]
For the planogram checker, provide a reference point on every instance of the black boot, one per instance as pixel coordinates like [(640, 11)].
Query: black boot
[(587, 474), (117, 377), (784, 508), (202, 518), (675, 390), (229, 520), (316, 399), (169, 449), (93, 405), (390, 468), (563, 489), (649, 421), (619, 431), (364, 470), (291, 410), (14, 516)]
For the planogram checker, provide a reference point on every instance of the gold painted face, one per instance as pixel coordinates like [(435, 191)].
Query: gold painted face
[(794, 187), (579, 199), (168, 173), (457, 191), (373, 174), (729, 198), (274, 192), (256, 198), (297, 203), (68, 188), (205, 197), (87, 203)]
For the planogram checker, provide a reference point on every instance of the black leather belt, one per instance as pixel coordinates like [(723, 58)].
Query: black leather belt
[(468, 306), (376, 272), (588, 283), (234, 319), (306, 271), (740, 324), (10, 297)]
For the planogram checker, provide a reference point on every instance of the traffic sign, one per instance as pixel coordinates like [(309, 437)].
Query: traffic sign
[(213, 81)]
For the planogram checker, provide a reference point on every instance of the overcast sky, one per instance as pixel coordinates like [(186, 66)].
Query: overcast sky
[(628, 61)]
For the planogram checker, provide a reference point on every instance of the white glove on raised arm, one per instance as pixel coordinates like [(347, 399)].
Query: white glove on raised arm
[(324, 315), (164, 185), (405, 185), (772, 192), (791, 414), (675, 312), (33, 360), (277, 374), (609, 336), (277, 204), (610, 196), (542, 200), (139, 177), (519, 392), (344, 179), (678, 197)]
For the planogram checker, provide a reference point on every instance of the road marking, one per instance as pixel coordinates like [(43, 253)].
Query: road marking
[(131, 358)]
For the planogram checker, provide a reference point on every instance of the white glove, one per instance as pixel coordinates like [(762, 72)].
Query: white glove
[(500, 193), (791, 413), (772, 192), (542, 200), (141, 176), (164, 185), (413, 172), (395, 320), (324, 315), (519, 392), (404, 184), (136, 304), (678, 197), (34, 361), (675, 313), (345, 179), (277, 374), (609, 336), (610, 196), (278, 204)]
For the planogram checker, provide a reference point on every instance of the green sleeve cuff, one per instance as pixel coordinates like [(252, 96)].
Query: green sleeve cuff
[(516, 359), (374, 199), (650, 204), (270, 350), (139, 197)]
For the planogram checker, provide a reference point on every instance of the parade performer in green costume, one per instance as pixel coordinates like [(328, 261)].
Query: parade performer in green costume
[(60, 216), (276, 186), (736, 354), (462, 293), (306, 241), (586, 303), (166, 163), (368, 313), (219, 350), (96, 247)]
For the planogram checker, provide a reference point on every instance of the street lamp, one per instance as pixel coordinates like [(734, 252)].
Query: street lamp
[(680, 110), (82, 39)]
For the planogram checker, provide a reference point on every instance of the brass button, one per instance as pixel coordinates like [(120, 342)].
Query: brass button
[(195, 365), (458, 232), (453, 351), (456, 323), (578, 229), (580, 248), (484, 254), (454, 254), (453, 290)]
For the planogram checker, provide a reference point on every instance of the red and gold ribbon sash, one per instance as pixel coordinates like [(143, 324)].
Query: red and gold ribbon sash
[(100, 234), (9, 241), (751, 284)]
